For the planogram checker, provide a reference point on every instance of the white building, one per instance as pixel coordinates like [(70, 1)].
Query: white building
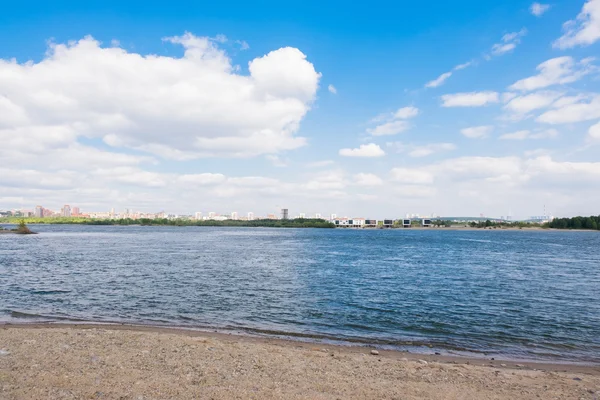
[(234, 215), (250, 216), (349, 222), (198, 216), (212, 215)]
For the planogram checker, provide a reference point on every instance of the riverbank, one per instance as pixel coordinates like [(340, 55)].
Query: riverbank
[(104, 361)]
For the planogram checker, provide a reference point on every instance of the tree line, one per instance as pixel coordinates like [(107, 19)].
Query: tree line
[(592, 223)]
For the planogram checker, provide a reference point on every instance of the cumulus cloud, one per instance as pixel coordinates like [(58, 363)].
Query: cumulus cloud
[(470, 99), (509, 42), (556, 71), (365, 150), (477, 132), (188, 107), (539, 9), (582, 31), (394, 123)]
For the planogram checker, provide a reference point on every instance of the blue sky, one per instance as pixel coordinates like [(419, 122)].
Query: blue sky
[(366, 110)]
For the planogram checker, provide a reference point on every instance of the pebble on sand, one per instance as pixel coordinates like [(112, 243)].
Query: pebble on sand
[(375, 352)]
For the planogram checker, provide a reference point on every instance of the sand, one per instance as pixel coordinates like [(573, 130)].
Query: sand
[(116, 362)]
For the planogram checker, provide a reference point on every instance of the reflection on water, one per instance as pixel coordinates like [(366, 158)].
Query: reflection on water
[(521, 294)]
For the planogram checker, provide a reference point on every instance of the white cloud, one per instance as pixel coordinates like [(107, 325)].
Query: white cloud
[(406, 112), (243, 44), (332, 89), (544, 134), (584, 30), (414, 191), (519, 135), (253, 181), (594, 133), (276, 160), (189, 107), (581, 109), (201, 179), (568, 100), (470, 99), (539, 9), (421, 150), (526, 134), (365, 150), (429, 149), (530, 102), (395, 123), (389, 128), (439, 81), (364, 179), (33, 179), (509, 42), (477, 132), (556, 71), (412, 176), (332, 180), (319, 164), (463, 66), (132, 176)]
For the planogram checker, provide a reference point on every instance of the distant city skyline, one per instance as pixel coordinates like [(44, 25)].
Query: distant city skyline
[(283, 213), (452, 108)]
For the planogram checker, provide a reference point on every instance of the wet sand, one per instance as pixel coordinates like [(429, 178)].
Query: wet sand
[(87, 361)]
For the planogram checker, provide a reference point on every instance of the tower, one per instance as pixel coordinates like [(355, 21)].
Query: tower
[(284, 213)]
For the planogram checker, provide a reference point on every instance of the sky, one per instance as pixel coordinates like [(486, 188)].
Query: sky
[(359, 109)]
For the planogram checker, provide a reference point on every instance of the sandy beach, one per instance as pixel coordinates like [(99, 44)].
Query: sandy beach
[(125, 362)]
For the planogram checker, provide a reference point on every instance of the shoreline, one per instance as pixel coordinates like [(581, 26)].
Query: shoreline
[(347, 348), (130, 362), (416, 228)]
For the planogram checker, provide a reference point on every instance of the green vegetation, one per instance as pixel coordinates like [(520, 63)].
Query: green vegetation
[(495, 225), (591, 223), (439, 222), (21, 229), (269, 223)]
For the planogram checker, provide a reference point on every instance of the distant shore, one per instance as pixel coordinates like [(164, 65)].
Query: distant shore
[(415, 228), (39, 361)]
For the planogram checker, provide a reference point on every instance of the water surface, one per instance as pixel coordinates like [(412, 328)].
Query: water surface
[(518, 294)]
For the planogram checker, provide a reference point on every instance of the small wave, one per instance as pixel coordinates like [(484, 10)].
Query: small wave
[(33, 316), (55, 291), (476, 240)]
